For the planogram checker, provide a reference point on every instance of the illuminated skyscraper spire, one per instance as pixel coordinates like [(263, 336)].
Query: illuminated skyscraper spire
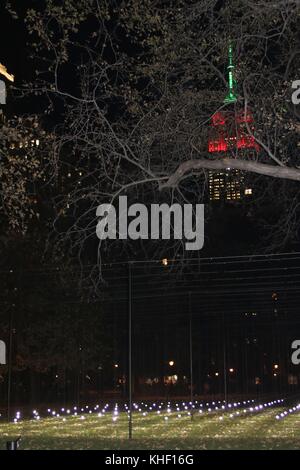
[(231, 96)]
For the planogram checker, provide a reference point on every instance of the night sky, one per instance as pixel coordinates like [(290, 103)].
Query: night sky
[(234, 305), (13, 48)]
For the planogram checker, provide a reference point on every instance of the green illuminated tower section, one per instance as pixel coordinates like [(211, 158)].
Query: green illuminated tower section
[(231, 96)]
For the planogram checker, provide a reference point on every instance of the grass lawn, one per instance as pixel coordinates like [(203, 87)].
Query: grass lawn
[(252, 431)]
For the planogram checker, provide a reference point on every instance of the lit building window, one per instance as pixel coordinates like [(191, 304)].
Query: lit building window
[(170, 379)]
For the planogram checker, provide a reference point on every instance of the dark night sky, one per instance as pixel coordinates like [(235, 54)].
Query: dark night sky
[(13, 51), (242, 289)]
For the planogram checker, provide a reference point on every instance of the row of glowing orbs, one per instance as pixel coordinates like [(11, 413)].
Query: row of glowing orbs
[(158, 408), (288, 412)]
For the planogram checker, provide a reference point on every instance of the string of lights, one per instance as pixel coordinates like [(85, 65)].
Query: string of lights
[(166, 409)]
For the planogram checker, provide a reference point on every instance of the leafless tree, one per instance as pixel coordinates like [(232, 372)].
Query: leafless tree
[(136, 84)]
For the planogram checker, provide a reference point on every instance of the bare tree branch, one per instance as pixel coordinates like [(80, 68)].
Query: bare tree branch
[(230, 163)]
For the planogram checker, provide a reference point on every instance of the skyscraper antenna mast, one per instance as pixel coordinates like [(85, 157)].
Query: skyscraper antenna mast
[(231, 95)]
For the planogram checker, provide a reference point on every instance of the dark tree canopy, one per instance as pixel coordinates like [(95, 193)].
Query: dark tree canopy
[(132, 87)]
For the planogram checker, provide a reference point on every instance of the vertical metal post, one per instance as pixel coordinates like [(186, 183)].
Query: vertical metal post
[(130, 348), (246, 363), (224, 359), (10, 362), (191, 356)]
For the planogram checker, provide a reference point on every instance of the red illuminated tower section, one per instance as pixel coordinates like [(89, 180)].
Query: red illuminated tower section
[(231, 135)]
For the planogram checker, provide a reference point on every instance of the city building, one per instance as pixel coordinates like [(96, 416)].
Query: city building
[(231, 135)]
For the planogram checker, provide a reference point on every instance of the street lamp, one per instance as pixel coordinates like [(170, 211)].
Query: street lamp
[(171, 363)]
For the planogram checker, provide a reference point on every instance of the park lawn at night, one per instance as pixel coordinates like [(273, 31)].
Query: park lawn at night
[(256, 431)]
